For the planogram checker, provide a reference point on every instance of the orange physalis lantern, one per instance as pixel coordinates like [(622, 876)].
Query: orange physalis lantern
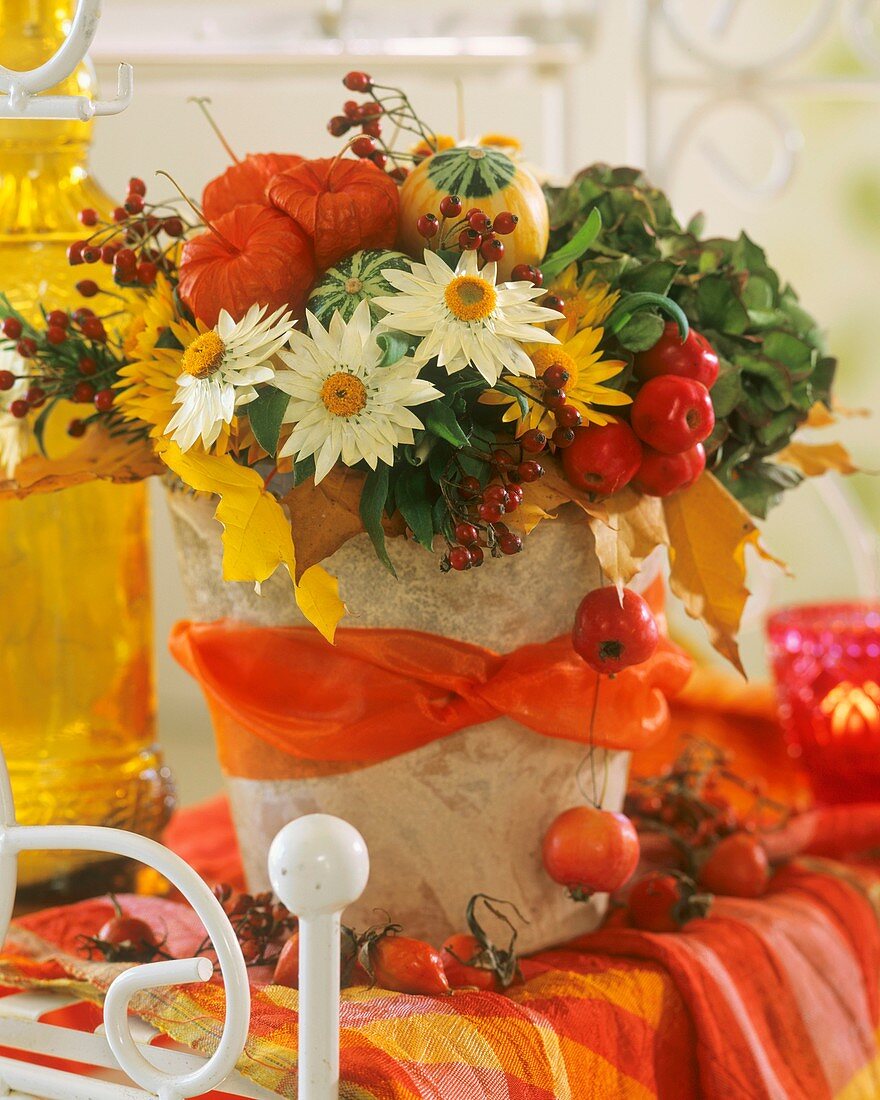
[(342, 205), (253, 254), (244, 182)]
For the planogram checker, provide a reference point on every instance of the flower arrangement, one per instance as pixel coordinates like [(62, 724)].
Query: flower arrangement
[(429, 343)]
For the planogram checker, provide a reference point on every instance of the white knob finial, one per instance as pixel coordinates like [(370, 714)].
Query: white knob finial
[(318, 864)]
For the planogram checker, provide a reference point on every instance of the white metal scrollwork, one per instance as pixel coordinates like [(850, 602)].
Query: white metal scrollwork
[(15, 838), (756, 82), (23, 99)]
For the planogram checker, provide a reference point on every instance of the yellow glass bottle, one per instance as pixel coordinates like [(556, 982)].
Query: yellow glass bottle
[(76, 671)]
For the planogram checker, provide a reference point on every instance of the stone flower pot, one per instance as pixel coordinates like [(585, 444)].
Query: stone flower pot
[(464, 814)]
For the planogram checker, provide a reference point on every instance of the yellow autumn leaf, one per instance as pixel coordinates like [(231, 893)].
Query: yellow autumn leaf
[(709, 531), (634, 527), (256, 532), (815, 459)]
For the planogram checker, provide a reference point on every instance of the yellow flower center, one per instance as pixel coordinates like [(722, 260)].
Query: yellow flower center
[(204, 355), (470, 298), (343, 394), (546, 357)]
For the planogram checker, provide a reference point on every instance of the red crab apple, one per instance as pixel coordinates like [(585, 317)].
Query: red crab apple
[(673, 414), (694, 358), (660, 475), (590, 850), (601, 460), (613, 630)]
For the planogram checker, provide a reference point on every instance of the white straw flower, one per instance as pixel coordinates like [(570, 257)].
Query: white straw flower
[(464, 317), (344, 405), (221, 368)]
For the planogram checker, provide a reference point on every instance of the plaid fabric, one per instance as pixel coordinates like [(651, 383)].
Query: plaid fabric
[(771, 999)]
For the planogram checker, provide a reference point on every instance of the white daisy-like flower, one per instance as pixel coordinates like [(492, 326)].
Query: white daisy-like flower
[(464, 317), (221, 368), (344, 405), (16, 434)]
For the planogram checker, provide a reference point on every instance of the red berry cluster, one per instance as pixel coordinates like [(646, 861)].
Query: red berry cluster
[(479, 512), (699, 800), (471, 231), (366, 118), (554, 397), (131, 243), (64, 359)]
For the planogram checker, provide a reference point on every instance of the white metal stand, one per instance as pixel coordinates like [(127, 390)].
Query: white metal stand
[(318, 865), (23, 99)]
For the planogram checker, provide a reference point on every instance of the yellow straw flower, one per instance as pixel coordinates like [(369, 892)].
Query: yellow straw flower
[(588, 303), (579, 354), (424, 149), (148, 384)]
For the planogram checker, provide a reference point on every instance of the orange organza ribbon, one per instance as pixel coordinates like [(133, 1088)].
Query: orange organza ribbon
[(285, 704)]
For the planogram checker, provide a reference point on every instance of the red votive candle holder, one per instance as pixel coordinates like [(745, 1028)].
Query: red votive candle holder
[(826, 662)]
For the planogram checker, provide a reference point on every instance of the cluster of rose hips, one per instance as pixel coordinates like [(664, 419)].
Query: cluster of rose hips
[(699, 800), (367, 118), (480, 511), (262, 924), (73, 337), (567, 417), (469, 231), (130, 243)]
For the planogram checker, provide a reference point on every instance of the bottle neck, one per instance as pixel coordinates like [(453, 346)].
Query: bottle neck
[(44, 178)]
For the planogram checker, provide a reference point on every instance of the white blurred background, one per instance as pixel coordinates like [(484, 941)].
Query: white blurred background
[(764, 114)]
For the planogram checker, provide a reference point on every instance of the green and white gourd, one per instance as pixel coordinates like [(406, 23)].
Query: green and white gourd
[(356, 279)]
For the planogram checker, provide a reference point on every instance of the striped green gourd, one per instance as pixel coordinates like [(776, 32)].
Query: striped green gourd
[(354, 280)]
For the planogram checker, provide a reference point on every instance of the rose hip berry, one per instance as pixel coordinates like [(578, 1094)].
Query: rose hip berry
[(104, 400), (660, 474), (694, 358), (469, 488), (12, 328), (510, 543), (357, 81), (339, 125), (530, 470), (601, 460), (428, 225), (505, 222), (19, 408), (614, 630), (460, 558), (450, 206), (672, 414), (492, 249), (534, 441), (466, 533), (83, 393), (7, 380)]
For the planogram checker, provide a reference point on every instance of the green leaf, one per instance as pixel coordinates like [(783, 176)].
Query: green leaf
[(303, 470), (441, 420), (412, 491), (167, 339), (655, 277), (373, 498), (574, 248), (727, 392), (394, 346), (265, 414), (641, 332), (512, 391), (632, 304), (719, 307), (40, 425)]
